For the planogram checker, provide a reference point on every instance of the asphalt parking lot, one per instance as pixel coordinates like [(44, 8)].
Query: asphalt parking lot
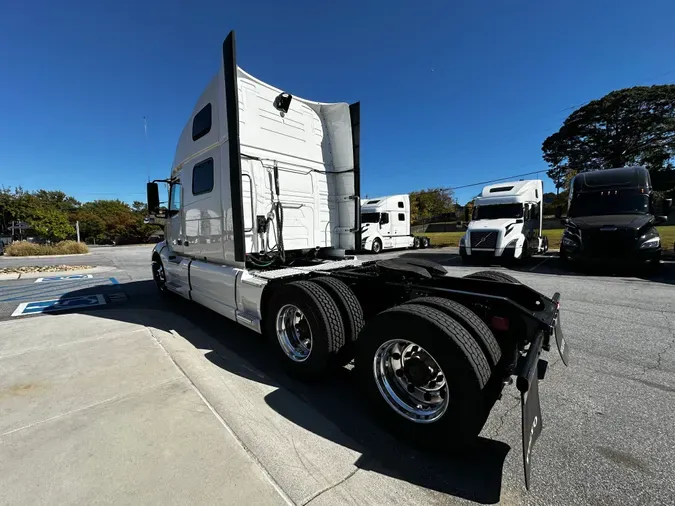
[(232, 418)]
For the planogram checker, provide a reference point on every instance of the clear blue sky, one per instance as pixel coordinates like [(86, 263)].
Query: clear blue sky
[(452, 92)]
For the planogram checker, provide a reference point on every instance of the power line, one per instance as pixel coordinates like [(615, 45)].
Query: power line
[(495, 180)]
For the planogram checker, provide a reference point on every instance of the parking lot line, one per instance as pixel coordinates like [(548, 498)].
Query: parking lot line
[(548, 257)]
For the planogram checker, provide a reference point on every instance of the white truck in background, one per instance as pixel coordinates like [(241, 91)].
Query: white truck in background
[(385, 224), (507, 223), (263, 210)]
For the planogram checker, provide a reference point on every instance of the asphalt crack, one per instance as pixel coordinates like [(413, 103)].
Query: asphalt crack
[(330, 487), (502, 418), (660, 354)]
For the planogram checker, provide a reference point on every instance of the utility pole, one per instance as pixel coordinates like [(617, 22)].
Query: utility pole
[(77, 227)]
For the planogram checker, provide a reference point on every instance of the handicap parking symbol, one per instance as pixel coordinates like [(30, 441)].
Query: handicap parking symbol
[(48, 306), (64, 278)]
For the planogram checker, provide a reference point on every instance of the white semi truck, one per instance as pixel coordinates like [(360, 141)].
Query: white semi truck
[(263, 211), (385, 224), (506, 224)]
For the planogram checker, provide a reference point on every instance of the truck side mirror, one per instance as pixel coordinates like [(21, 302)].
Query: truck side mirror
[(466, 214), (153, 198), (558, 212)]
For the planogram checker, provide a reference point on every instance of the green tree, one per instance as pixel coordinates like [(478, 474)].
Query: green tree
[(553, 200), (625, 127), (50, 223), (108, 221), (431, 202), (57, 199)]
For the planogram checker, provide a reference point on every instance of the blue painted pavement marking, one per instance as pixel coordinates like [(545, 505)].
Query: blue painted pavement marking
[(51, 290), (43, 306), (62, 278)]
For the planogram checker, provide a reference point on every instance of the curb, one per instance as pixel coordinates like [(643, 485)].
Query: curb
[(45, 274), (9, 257)]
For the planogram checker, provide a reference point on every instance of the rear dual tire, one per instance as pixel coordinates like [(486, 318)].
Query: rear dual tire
[(470, 321), (314, 325), (423, 375), (493, 276)]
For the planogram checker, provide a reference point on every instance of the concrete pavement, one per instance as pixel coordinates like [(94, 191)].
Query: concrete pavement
[(94, 411)]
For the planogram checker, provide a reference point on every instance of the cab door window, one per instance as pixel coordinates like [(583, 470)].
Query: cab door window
[(175, 199)]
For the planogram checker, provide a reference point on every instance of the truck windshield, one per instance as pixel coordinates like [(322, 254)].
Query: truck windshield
[(498, 211), (370, 217), (595, 204)]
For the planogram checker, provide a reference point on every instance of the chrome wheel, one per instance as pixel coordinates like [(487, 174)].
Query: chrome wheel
[(411, 381), (159, 274), (294, 333)]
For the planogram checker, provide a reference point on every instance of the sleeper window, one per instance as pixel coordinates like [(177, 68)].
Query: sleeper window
[(202, 177)]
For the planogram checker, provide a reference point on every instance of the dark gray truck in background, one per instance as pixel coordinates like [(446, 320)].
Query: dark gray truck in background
[(611, 218)]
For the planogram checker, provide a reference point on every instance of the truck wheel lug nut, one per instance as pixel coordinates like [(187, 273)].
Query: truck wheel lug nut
[(411, 388)]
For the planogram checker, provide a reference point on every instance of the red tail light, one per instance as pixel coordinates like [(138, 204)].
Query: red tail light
[(500, 323)]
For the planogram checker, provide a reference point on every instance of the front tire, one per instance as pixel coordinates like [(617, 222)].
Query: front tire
[(159, 276), (377, 246), (306, 324), (423, 376)]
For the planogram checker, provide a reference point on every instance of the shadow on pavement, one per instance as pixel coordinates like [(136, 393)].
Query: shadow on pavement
[(475, 475), (550, 264)]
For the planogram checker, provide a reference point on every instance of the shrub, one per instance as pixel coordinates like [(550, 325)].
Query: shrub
[(24, 248), (70, 248)]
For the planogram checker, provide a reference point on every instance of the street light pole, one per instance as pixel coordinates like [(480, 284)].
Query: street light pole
[(77, 227)]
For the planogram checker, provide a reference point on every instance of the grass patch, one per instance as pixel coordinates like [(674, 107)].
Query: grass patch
[(439, 239), (25, 248)]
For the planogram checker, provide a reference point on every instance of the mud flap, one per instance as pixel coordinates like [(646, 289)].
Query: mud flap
[(563, 348), (531, 418)]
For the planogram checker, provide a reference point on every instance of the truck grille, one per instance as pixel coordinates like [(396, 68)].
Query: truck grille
[(484, 239), (615, 243)]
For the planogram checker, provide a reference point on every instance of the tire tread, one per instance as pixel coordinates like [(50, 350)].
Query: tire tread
[(470, 320), (493, 276), (456, 332), (329, 312), (352, 313)]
